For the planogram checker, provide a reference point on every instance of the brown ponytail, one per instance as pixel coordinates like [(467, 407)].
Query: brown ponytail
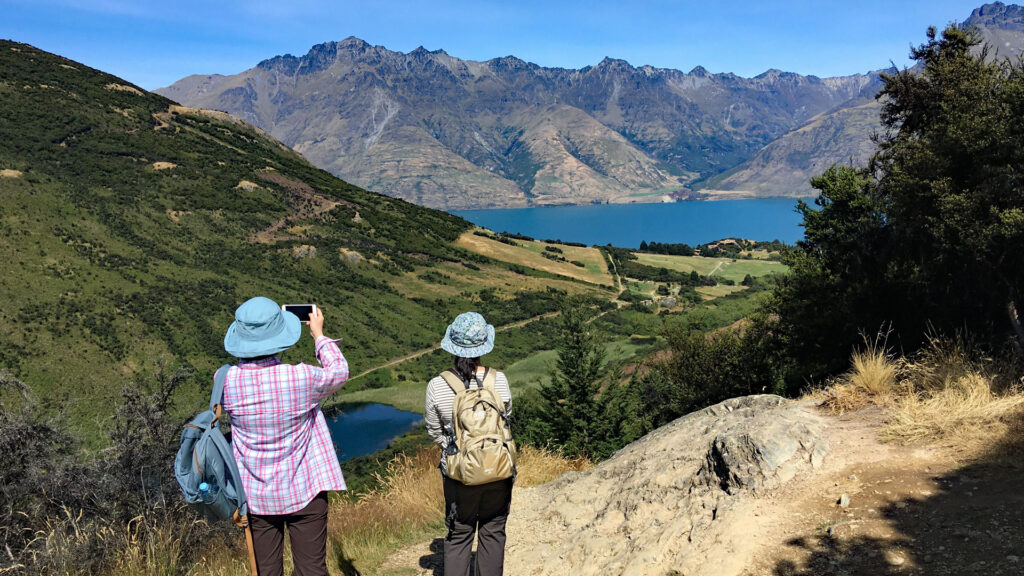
[(465, 368)]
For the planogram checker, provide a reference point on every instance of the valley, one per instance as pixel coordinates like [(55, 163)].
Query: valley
[(763, 385)]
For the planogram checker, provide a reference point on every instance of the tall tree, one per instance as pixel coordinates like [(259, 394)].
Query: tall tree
[(930, 235), (950, 181), (572, 409)]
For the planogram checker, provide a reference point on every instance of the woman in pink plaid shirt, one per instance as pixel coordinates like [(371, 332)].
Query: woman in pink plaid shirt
[(280, 438)]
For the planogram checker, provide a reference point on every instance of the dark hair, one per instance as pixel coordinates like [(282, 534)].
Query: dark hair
[(465, 368), (257, 358)]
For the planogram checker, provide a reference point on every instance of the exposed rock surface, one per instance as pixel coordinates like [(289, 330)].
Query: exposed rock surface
[(673, 500), (304, 251)]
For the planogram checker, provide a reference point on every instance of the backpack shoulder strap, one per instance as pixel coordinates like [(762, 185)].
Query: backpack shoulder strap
[(453, 381), (490, 378), (217, 396)]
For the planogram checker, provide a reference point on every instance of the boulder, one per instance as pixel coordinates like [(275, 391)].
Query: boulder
[(304, 251), (675, 501), (351, 257)]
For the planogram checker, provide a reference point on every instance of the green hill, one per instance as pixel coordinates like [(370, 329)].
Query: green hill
[(130, 229)]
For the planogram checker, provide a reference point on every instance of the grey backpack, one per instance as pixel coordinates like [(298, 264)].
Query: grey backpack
[(205, 456)]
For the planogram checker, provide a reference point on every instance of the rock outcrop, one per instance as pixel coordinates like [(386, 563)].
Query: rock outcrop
[(672, 502)]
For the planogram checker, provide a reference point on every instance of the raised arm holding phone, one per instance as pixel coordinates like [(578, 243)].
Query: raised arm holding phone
[(285, 454)]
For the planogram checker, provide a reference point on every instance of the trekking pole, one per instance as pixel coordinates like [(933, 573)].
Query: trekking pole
[(244, 522)]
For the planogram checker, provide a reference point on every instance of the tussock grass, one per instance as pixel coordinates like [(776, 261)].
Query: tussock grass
[(946, 393), (540, 465), (873, 375), (966, 413), (874, 371), (407, 507)]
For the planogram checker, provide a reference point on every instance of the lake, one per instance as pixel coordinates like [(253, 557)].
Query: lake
[(361, 429), (626, 225)]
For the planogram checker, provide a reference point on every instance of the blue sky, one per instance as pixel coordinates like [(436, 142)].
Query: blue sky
[(155, 43)]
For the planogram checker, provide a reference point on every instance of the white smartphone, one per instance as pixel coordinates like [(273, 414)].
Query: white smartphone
[(303, 311)]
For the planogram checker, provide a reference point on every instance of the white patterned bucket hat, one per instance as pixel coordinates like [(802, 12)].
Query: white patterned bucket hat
[(469, 336)]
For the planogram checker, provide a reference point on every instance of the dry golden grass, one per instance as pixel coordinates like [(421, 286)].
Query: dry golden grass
[(540, 465), (942, 395), (967, 413), (407, 507), (522, 256), (153, 548), (872, 377), (874, 371)]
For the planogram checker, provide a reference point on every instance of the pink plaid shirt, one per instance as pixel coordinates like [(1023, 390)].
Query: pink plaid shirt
[(280, 437)]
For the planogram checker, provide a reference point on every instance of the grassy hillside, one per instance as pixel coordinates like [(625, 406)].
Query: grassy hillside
[(131, 228)]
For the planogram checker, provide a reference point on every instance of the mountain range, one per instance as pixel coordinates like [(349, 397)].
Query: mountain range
[(449, 133)]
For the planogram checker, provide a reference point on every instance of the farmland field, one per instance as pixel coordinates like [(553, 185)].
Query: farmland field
[(712, 292), (527, 253), (723, 268)]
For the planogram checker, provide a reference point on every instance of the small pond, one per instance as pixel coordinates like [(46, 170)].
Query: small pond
[(363, 428)]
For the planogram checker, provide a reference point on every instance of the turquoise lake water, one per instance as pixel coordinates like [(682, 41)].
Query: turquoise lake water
[(626, 225), (361, 429)]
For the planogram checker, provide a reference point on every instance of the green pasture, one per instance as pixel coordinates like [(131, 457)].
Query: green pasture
[(718, 291), (724, 268)]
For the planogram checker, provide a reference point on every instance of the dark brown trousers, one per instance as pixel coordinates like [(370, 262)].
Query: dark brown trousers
[(481, 511), (307, 531)]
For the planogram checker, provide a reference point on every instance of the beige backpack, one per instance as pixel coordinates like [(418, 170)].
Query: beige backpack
[(483, 450)]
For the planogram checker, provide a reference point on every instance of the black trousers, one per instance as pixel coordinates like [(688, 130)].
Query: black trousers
[(479, 511), (307, 531)]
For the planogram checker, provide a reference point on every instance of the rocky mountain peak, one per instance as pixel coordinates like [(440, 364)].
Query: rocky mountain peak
[(353, 43), (995, 13), (510, 63), (609, 62), (1001, 26), (770, 74)]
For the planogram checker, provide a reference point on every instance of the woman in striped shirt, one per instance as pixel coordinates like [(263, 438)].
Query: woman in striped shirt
[(470, 511)]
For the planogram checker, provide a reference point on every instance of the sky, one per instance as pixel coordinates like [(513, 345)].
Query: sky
[(153, 44)]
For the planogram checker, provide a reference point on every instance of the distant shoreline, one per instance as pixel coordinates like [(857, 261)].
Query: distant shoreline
[(626, 225)]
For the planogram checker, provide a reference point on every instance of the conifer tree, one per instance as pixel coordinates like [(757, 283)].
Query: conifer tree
[(573, 410), (928, 236)]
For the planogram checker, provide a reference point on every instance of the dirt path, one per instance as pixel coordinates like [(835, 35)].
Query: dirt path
[(615, 274), (918, 509), (414, 355), (912, 510), (519, 324), (715, 269)]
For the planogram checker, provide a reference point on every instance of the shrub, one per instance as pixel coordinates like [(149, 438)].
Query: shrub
[(120, 512)]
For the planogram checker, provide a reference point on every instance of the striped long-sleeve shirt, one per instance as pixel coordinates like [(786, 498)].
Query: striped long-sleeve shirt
[(438, 410), (279, 435)]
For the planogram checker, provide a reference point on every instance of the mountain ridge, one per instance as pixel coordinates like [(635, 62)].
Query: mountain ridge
[(341, 99), (449, 133), (844, 135)]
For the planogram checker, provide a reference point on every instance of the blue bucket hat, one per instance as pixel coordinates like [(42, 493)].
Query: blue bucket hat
[(261, 328), (469, 336)]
